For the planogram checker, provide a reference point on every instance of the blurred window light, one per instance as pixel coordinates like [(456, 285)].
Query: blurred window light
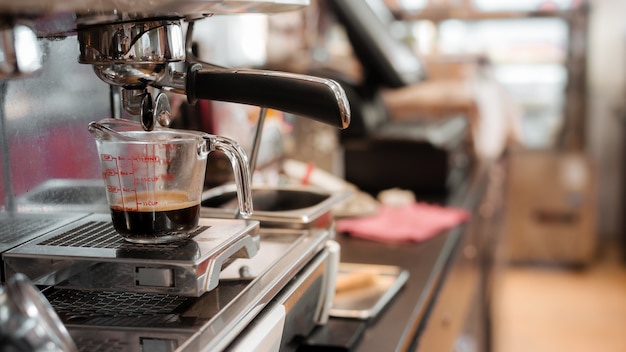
[(524, 5), (412, 5)]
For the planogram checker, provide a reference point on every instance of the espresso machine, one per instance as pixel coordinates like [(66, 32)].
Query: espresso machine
[(236, 283)]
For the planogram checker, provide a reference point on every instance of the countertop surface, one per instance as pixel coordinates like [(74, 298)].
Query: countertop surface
[(397, 326)]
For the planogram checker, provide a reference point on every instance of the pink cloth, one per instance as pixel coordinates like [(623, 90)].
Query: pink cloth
[(409, 223)]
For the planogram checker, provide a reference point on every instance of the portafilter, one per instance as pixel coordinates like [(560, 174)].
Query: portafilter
[(153, 53)]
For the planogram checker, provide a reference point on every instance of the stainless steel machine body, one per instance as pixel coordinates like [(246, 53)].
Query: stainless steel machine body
[(68, 62), (289, 265)]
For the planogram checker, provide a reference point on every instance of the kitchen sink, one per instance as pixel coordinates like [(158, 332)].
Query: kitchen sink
[(290, 206)]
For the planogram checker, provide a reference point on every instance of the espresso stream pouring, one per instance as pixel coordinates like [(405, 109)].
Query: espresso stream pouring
[(154, 180)]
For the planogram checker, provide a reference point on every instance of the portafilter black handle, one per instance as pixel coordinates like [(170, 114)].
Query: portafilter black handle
[(317, 98)]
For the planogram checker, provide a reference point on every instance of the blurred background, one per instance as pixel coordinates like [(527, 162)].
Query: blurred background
[(536, 87), (543, 84), (557, 68)]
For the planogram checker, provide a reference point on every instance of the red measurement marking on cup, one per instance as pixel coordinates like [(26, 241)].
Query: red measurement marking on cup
[(109, 173), (168, 177), (107, 157), (148, 203), (119, 181), (147, 159), (147, 179), (112, 189)]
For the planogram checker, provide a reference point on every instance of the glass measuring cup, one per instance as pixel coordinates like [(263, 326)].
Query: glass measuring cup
[(154, 179)]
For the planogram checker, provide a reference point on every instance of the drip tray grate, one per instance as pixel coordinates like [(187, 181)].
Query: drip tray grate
[(18, 228), (13, 229), (106, 308), (101, 234), (90, 254)]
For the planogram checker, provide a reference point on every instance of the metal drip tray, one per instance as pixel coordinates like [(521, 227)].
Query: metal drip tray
[(115, 308), (65, 195), (89, 254), (134, 321), (18, 228)]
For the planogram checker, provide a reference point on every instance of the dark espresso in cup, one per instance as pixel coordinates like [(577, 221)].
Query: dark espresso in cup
[(159, 217)]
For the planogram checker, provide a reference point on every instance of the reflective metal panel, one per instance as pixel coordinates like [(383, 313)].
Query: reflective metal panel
[(45, 121)]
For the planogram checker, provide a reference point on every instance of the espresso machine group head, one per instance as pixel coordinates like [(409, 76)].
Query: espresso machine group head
[(145, 46)]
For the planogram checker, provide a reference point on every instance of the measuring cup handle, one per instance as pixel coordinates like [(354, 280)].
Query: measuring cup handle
[(239, 161)]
